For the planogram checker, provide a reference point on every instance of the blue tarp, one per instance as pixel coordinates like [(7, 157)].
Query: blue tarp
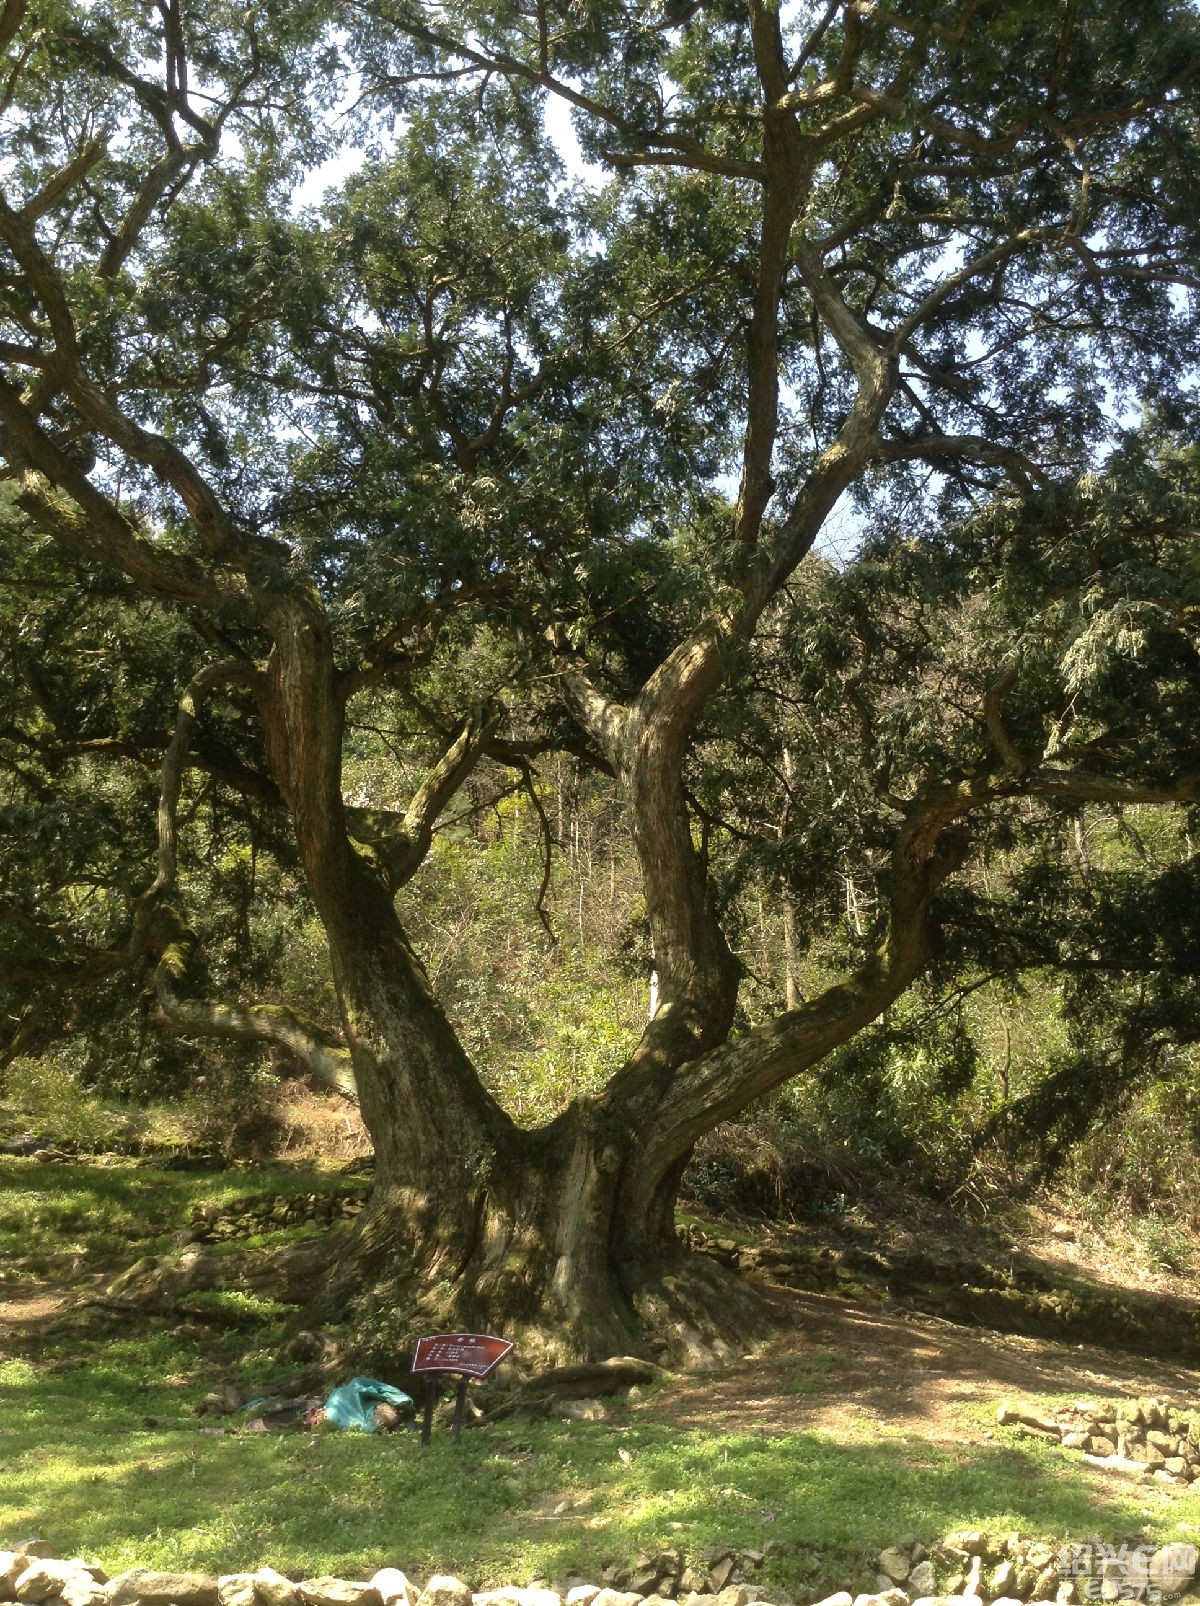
[(352, 1405)]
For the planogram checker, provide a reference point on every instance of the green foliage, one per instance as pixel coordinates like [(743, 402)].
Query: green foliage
[(475, 423), (95, 1214)]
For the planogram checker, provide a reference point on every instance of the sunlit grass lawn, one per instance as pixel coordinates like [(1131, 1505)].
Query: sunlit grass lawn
[(79, 1466), (114, 1213)]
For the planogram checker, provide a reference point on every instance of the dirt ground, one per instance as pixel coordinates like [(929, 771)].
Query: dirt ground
[(24, 1307), (849, 1368), (843, 1368)]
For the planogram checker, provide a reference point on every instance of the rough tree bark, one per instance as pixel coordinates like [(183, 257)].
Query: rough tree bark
[(563, 1236)]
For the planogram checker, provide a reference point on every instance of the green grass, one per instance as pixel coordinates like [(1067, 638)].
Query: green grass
[(80, 1466), (56, 1214), (811, 1374)]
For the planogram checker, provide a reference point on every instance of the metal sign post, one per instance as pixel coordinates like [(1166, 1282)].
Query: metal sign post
[(445, 1354)]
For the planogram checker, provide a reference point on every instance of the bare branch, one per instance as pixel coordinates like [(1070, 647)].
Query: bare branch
[(11, 19), (402, 850), (232, 672), (993, 714), (94, 528), (975, 447), (317, 1050), (60, 184)]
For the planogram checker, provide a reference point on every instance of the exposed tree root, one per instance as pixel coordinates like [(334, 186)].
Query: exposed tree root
[(687, 1312), (591, 1380)]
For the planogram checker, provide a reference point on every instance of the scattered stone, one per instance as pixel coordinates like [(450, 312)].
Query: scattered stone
[(720, 1575), (220, 1402), (1172, 1569), (1117, 1463), (47, 1579), (1046, 1586), (167, 1589), (1002, 1580), (1005, 1572), (273, 1589), (1145, 1454), (1029, 1415), (392, 1587), (617, 1597), (81, 1589), (35, 1549), (236, 1589), (966, 1541), (896, 1563), (121, 1590), (445, 1590), (325, 1591), (511, 1595), (11, 1568), (735, 1595)]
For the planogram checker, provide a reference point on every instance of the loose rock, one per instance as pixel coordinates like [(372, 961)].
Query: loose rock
[(896, 1564), (392, 1587), (167, 1589), (445, 1590), (617, 1597), (236, 1589), (273, 1589)]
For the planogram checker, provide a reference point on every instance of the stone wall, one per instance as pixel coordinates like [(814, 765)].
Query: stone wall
[(967, 1568), (269, 1212), (1141, 1439)]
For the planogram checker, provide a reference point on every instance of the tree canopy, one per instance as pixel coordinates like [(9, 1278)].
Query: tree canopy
[(360, 451)]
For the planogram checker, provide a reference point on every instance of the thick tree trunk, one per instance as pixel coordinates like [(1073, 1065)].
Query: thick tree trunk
[(564, 1238), (474, 1222), (532, 1242)]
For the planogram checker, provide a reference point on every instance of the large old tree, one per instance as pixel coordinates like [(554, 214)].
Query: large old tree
[(323, 370)]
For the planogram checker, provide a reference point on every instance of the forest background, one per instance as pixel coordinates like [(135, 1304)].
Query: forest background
[(400, 691)]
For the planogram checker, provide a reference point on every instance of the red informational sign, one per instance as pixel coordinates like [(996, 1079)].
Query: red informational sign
[(471, 1354)]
